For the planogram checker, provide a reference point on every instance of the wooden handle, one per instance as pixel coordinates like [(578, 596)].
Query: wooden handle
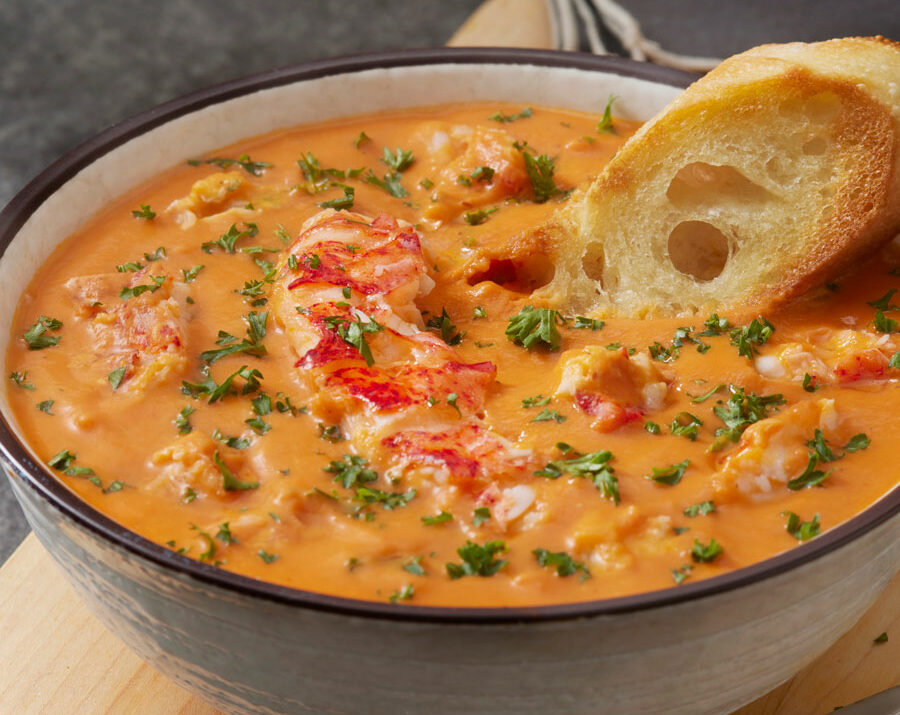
[(507, 23)]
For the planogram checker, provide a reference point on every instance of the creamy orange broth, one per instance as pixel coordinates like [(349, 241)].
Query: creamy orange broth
[(316, 541)]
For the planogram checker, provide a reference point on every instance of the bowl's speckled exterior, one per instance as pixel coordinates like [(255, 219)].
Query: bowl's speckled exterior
[(251, 647)]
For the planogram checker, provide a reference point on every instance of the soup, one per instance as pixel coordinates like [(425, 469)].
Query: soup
[(312, 358)]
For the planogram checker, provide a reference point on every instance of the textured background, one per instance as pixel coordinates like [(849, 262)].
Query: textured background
[(69, 68)]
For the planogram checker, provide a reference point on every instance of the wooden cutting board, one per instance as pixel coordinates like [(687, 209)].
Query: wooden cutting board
[(56, 658)]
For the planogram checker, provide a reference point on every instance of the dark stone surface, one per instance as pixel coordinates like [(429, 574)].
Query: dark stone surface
[(72, 67)]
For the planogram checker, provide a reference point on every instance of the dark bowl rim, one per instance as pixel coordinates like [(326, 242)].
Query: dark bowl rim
[(53, 491)]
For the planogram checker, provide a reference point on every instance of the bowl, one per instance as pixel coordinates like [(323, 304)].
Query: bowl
[(248, 646)]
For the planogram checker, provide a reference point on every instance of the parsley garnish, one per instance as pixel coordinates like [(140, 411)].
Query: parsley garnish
[(707, 553), (45, 405), (191, 273), (331, 433), (390, 183), (251, 167), (441, 518), (652, 427), (134, 291), (404, 594), (145, 212), (884, 302), (116, 376), (605, 125), (883, 638), (811, 477), (266, 556), (540, 173), (388, 500), (801, 530), (446, 328), (703, 508), (506, 118), (895, 360), (884, 324), (532, 326), (217, 392), (565, 565), (479, 312), (344, 202), (741, 410), (351, 471), (225, 536), (399, 161), (696, 399), (229, 481), (36, 337), (182, 422), (714, 326), (251, 345), (669, 475), (414, 566), (583, 323), (19, 378), (536, 401), (476, 218), (810, 383), (361, 139), (546, 415), (354, 333), (63, 462), (480, 515), (681, 573), (746, 338), (593, 466), (685, 424), (478, 560), (228, 239)]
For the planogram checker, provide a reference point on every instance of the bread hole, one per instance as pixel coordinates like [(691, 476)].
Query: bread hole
[(522, 275), (705, 184), (778, 172), (815, 146), (822, 108), (592, 261), (698, 249)]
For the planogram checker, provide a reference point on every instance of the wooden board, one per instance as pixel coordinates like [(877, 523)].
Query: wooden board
[(58, 659)]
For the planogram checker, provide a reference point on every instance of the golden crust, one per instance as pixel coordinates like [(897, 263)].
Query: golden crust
[(799, 149)]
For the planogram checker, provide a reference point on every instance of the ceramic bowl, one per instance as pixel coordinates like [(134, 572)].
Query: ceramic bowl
[(252, 647)]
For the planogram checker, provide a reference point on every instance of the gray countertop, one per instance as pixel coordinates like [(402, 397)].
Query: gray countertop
[(73, 67)]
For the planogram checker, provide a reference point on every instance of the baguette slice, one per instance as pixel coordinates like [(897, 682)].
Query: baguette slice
[(768, 176)]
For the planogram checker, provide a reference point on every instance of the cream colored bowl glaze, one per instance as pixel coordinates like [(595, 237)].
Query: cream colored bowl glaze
[(251, 647)]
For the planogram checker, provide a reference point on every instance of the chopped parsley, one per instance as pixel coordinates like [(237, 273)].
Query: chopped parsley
[(605, 125), (801, 530), (895, 360), (63, 461), (594, 466), (444, 325), (45, 406), (229, 239), (696, 399), (547, 415), (506, 118), (681, 573), (331, 433), (344, 202), (144, 212), (479, 312), (244, 161), (810, 477), (565, 565), (536, 401), (390, 183), (134, 291), (684, 424), (811, 383), (441, 518), (354, 333), (714, 326), (267, 557), (217, 392), (884, 302), (706, 553), (748, 337), (540, 173), (480, 516), (533, 326), (583, 323), (883, 638), (652, 427), (400, 160), (476, 218), (157, 255), (701, 509), (478, 560), (361, 139), (251, 345), (414, 566), (183, 422), (116, 376), (884, 324), (351, 471), (36, 336), (19, 378), (405, 593), (225, 536), (388, 500), (229, 481), (742, 410), (671, 475)]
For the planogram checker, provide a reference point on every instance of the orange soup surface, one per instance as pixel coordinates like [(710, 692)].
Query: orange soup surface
[(312, 358)]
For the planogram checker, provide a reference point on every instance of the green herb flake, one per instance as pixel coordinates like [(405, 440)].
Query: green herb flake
[(228, 240), (414, 566), (20, 379), (36, 337), (190, 274), (742, 409), (684, 424), (547, 415), (390, 183), (605, 125), (476, 218), (405, 593), (811, 383), (883, 638), (536, 401), (478, 560), (229, 481), (155, 284), (696, 399), (652, 427), (267, 557), (801, 530), (400, 160), (116, 376), (810, 477), (351, 471), (706, 553), (670, 476), (748, 337), (441, 518), (478, 313), (182, 421), (540, 173), (444, 325), (480, 516), (701, 509), (681, 573), (535, 326), (564, 564), (361, 139), (45, 406), (594, 466), (251, 167), (583, 323), (225, 536), (507, 118)]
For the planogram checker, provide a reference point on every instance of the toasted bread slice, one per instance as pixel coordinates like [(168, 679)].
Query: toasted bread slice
[(769, 175)]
